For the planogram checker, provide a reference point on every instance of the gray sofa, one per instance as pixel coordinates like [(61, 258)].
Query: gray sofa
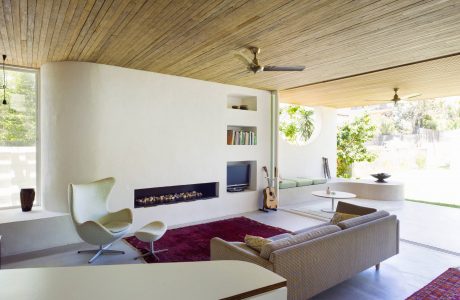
[(315, 259)]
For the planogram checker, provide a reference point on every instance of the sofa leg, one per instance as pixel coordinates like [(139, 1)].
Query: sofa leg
[(377, 267)]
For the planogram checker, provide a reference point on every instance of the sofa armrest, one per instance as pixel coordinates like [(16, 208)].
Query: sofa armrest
[(223, 250)]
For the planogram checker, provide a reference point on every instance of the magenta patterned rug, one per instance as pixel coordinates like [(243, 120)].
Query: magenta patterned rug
[(445, 287), (191, 243)]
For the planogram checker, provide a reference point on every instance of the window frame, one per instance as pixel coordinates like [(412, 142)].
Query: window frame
[(37, 202)]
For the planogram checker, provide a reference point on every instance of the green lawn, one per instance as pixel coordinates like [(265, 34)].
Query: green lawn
[(435, 203)]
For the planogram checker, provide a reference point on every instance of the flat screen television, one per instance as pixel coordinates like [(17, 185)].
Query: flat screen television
[(238, 177)]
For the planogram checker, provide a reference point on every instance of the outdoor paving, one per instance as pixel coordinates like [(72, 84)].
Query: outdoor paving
[(431, 225)]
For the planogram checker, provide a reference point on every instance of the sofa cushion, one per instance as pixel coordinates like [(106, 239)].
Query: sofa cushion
[(280, 236), (255, 242), (339, 217), (269, 248), (244, 247), (353, 209), (363, 219), (300, 181), (287, 184), (310, 228)]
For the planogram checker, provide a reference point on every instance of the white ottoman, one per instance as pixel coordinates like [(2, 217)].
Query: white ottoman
[(151, 233)]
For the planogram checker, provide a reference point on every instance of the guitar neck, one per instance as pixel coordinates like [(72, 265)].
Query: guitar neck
[(266, 175), (270, 179)]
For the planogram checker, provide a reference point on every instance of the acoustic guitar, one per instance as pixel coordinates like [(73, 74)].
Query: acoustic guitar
[(270, 199)]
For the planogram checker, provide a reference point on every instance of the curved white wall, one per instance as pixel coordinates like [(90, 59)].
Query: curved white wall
[(146, 130), (306, 161)]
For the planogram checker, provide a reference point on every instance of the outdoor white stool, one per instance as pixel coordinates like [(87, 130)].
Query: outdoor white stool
[(151, 233)]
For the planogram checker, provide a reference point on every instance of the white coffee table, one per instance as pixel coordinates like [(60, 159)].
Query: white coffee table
[(333, 195)]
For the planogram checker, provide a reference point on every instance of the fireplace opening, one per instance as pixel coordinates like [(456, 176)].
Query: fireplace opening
[(175, 194)]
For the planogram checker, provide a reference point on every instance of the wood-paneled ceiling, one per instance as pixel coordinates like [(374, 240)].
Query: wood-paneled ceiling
[(433, 79), (195, 38)]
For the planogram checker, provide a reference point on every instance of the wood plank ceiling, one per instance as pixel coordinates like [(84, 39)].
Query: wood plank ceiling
[(432, 79), (195, 38)]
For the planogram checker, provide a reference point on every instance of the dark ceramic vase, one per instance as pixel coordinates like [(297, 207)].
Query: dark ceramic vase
[(27, 199)]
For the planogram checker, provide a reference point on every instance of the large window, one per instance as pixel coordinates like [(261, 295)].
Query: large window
[(18, 136)]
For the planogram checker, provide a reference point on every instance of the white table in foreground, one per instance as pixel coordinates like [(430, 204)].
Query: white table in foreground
[(196, 280), (333, 195)]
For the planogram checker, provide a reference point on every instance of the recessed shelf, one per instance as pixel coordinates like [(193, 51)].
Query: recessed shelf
[(243, 102), (241, 135)]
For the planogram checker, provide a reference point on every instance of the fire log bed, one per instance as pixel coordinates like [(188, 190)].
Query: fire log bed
[(175, 194), (168, 199)]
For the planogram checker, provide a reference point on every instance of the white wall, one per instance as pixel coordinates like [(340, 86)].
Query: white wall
[(306, 161), (146, 130)]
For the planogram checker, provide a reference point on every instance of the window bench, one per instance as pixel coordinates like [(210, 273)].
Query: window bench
[(363, 188)]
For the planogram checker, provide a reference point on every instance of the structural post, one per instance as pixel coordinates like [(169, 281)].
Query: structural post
[(274, 137)]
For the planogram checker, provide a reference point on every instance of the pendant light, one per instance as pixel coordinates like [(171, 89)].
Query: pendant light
[(4, 81)]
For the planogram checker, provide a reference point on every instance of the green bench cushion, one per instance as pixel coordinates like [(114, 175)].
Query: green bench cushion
[(319, 180), (300, 181), (303, 181), (287, 184), (312, 180)]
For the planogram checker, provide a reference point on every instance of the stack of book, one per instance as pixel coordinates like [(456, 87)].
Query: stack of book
[(235, 137)]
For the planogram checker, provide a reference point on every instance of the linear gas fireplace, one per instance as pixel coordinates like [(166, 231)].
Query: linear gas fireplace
[(175, 194)]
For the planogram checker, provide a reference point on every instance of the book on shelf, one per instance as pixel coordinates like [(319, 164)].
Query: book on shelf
[(230, 137), (241, 137)]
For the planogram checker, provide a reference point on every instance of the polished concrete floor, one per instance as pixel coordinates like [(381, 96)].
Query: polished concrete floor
[(397, 278)]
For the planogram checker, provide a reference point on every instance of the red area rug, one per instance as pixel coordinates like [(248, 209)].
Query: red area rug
[(191, 243), (445, 287)]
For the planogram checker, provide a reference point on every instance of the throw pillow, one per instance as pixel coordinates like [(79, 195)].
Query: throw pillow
[(363, 219), (255, 242), (339, 217)]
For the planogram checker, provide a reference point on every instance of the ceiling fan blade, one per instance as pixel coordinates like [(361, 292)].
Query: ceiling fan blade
[(411, 96), (243, 58), (284, 68)]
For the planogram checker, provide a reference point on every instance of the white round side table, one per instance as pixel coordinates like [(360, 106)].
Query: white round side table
[(333, 195)]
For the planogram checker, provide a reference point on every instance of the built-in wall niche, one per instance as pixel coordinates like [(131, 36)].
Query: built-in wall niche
[(241, 135), (242, 102), (175, 194), (241, 176)]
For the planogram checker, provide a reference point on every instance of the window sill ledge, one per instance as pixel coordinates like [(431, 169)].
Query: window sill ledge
[(16, 215)]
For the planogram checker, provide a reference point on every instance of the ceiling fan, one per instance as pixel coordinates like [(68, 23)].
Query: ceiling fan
[(254, 66), (396, 97)]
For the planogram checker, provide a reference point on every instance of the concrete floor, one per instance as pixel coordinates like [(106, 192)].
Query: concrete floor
[(398, 277), (432, 225)]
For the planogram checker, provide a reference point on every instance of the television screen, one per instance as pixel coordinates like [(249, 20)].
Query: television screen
[(238, 175)]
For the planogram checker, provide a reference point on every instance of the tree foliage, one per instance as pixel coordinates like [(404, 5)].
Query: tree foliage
[(18, 117), (296, 123), (453, 117), (351, 148), (408, 117)]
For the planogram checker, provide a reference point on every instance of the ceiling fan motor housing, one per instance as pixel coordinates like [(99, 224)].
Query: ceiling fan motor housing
[(256, 68)]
